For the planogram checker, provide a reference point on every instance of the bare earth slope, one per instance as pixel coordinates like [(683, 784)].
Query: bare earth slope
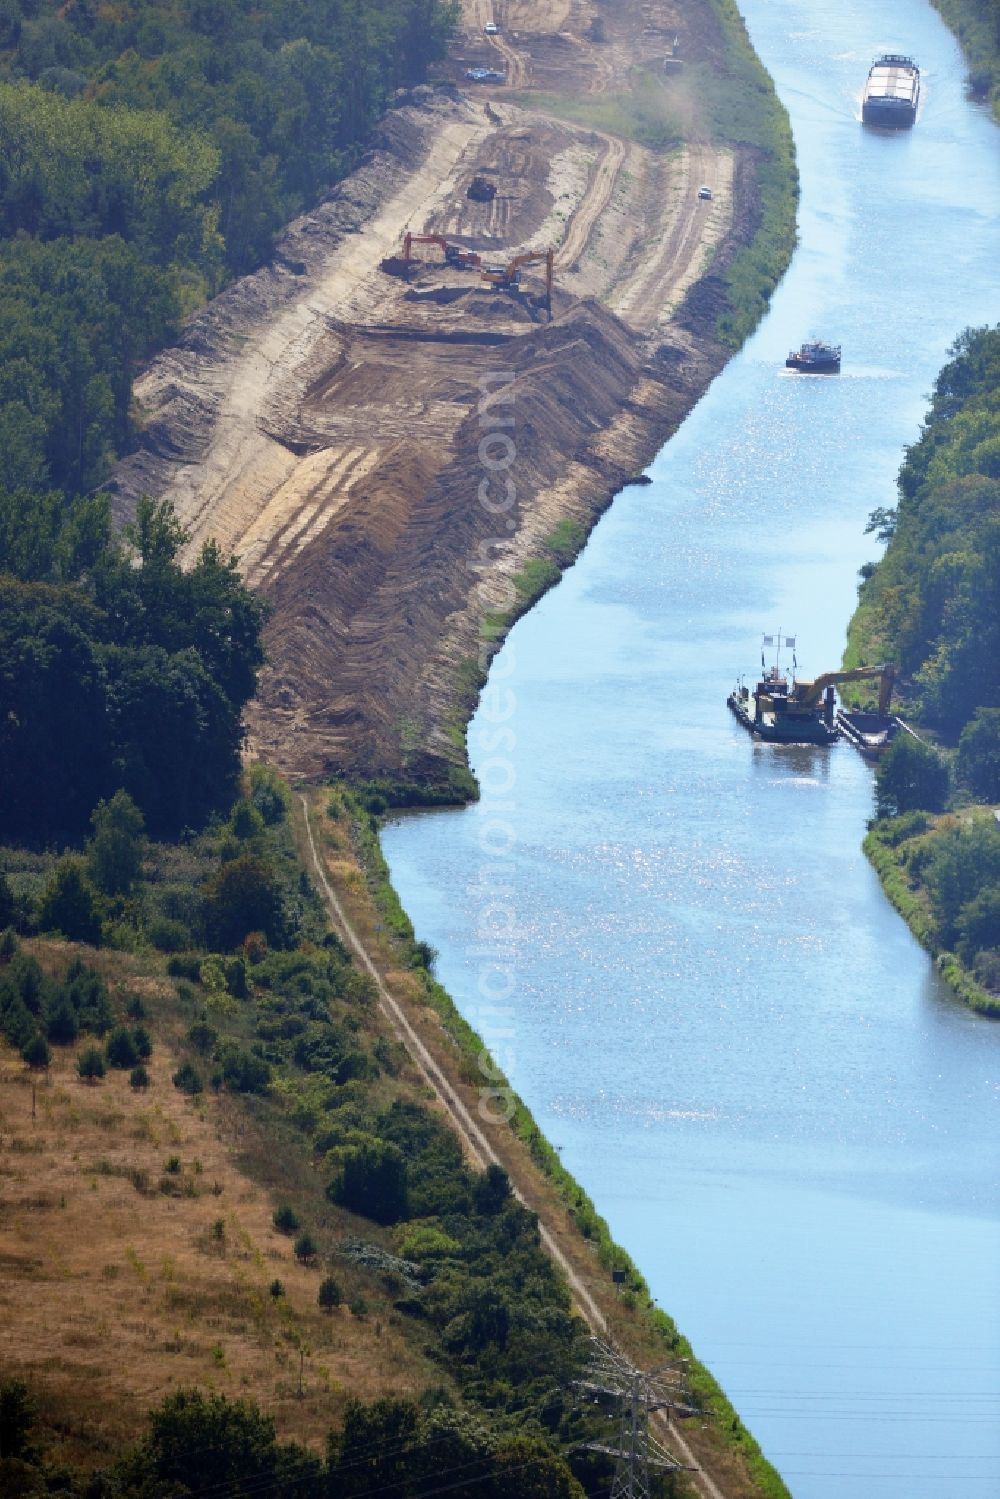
[(325, 420)]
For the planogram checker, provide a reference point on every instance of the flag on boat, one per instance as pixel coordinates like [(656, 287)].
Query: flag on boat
[(768, 639), (790, 642)]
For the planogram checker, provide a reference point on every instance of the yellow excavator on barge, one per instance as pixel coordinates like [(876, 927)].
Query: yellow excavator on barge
[(784, 711)]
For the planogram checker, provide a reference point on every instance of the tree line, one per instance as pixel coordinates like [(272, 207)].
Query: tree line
[(931, 606)]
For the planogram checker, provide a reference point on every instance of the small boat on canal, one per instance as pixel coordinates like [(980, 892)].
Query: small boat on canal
[(815, 358)]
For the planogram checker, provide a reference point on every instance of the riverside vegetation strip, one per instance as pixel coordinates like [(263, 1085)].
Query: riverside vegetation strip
[(930, 607)]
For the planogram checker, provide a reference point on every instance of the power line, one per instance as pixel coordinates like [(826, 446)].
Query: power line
[(637, 1393)]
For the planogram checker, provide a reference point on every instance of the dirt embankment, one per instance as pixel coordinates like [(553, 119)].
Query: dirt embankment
[(385, 453)]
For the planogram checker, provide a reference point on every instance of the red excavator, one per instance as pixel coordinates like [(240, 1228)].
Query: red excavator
[(508, 277), (457, 257)]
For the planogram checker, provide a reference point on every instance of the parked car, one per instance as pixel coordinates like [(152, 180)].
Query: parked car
[(491, 28), (704, 192)]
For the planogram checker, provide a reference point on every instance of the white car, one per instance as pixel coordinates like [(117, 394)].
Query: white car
[(491, 28), (705, 192)]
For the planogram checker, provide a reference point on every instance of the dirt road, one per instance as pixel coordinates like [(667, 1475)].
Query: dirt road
[(477, 1146)]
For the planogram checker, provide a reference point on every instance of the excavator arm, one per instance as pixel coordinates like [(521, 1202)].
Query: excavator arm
[(808, 693)]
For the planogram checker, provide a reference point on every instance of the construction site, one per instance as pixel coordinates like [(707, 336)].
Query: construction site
[(494, 265)]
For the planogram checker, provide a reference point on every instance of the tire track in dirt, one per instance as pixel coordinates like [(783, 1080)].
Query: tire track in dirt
[(473, 1138), (691, 228), (595, 201), (224, 493)]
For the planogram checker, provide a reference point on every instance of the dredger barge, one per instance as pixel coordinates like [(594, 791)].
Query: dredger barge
[(786, 711)]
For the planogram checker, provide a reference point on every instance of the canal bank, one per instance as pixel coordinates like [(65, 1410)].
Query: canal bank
[(705, 1001)]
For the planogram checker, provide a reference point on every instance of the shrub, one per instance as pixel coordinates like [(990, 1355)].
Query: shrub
[(243, 1071), (305, 1248), (36, 1053), (135, 1009), (910, 777), (8, 944), (188, 1079), (168, 935), (202, 1036), (69, 904), (64, 1026), (17, 1416), (277, 1289), (979, 754), (121, 1049), (173, 1165), (115, 853), (245, 897), (329, 1294), (139, 1077), (284, 1219), (372, 1181), (143, 1042), (185, 966), (90, 1064)]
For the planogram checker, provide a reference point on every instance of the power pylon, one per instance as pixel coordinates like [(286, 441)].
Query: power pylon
[(637, 1393)]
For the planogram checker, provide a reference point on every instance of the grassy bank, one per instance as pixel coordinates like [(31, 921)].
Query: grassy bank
[(898, 849), (746, 110), (646, 1331), (976, 24)]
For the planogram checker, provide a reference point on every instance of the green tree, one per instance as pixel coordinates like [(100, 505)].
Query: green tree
[(979, 754), (188, 1079), (372, 1181), (90, 1065), (17, 1416), (305, 1248), (977, 925), (910, 777), (36, 1053), (121, 1049), (243, 897), (329, 1294), (114, 855), (207, 1442), (69, 904)]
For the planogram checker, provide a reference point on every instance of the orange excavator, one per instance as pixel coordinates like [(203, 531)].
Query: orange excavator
[(454, 255), (808, 694), (508, 277)]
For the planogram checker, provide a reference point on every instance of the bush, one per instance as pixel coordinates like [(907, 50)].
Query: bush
[(202, 1036), (114, 856), (979, 754), (64, 1026), (242, 1070), (36, 1053), (910, 777), (188, 1079), (121, 1049), (168, 935), (143, 1042), (69, 904), (139, 1077), (245, 897), (372, 1181), (277, 1289), (305, 1248), (90, 1064), (329, 1294), (285, 1220)]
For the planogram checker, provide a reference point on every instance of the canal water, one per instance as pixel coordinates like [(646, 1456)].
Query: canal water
[(668, 932)]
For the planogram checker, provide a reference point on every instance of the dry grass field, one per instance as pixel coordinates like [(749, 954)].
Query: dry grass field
[(136, 1257)]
